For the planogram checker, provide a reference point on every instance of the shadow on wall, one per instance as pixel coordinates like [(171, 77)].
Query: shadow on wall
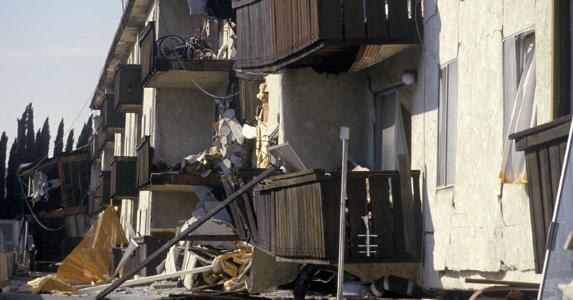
[(428, 81)]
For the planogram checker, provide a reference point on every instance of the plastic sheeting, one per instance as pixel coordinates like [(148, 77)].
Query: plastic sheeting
[(90, 261), (523, 117)]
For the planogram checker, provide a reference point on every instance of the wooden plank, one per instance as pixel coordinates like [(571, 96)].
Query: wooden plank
[(329, 17), (555, 165), (541, 128), (183, 179), (398, 18), (398, 213), (61, 212), (357, 207), (315, 22), (353, 20), (536, 210), (382, 220), (238, 218), (377, 23), (546, 186)]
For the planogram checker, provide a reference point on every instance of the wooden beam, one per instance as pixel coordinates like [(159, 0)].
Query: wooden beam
[(62, 212), (163, 249), (149, 279)]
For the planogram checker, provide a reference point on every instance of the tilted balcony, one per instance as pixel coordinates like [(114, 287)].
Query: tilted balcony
[(326, 34), (297, 216), (164, 181), (545, 146)]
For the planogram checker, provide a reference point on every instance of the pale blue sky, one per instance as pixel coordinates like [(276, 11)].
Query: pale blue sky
[(51, 54)]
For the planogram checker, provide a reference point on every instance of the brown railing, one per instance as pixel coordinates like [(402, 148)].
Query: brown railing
[(123, 178), (128, 96), (544, 148), (103, 191), (111, 119), (148, 49), (270, 31), (297, 216), (144, 159), (102, 139)]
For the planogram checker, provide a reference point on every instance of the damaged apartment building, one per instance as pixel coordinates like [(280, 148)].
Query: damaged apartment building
[(430, 91)]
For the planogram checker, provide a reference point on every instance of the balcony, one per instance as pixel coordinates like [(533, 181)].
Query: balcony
[(164, 181), (103, 191), (102, 140), (319, 33), (128, 96), (123, 178), (158, 72), (297, 217), (544, 148), (112, 121)]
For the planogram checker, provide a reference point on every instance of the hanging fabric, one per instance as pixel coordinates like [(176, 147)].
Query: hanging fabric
[(522, 118)]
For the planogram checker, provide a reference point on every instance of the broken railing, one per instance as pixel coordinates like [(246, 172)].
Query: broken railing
[(297, 217)]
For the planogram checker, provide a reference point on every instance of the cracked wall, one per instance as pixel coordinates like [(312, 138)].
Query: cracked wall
[(470, 230)]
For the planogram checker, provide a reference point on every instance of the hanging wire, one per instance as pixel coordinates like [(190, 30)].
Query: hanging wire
[(71, 126)]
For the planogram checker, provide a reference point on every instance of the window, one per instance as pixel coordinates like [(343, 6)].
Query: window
[(447, 124), (391, 131), (515, 51)]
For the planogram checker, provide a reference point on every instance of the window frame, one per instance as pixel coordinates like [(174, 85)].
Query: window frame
[(446, 158)]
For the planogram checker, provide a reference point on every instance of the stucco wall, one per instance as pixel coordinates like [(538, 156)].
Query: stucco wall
[(315, 106), (472, 229), (183, 123), (163, 214)]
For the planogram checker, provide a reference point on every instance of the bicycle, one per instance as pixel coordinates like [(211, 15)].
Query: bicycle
[(174, 47)]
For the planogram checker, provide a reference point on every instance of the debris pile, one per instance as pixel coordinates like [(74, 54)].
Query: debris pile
[(226, 153)]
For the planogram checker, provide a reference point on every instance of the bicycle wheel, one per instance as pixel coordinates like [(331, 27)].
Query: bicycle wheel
[(172, 47)]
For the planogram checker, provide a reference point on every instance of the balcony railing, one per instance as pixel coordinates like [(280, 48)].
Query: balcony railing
[(275, 33), (112, 121), (128, 96), (102, 194), (297, 216), (144, 160), (159, 72), (123, 178), (544, 148)]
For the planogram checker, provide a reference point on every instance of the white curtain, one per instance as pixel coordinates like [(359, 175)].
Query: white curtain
[(522, 117)]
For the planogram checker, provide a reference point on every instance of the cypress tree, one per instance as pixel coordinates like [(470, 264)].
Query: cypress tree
[(37, 155), (85, 134), (70, 141), (12, 191), (43, 142), (30, 153), (59, 141), (3, 148)]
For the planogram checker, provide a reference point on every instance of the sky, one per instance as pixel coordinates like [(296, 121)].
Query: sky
[(52, 54)]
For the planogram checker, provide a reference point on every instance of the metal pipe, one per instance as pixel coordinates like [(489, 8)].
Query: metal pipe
[(187, 231), (344, 136)]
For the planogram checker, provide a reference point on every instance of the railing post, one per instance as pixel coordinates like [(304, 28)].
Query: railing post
[(344, 136)]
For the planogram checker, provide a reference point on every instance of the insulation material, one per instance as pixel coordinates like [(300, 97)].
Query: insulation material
[(523, 117), (234, 265), (47, 285), (226, 152), (90, 260), (262, 148)]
